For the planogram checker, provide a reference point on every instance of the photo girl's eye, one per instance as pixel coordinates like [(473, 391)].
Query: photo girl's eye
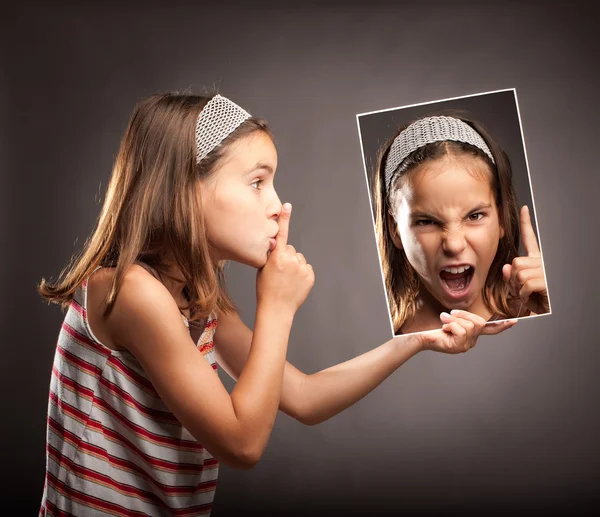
[(477, 216), (424, 222), (256, 184)]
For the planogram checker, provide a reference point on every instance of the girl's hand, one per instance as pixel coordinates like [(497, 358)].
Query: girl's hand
[(460, 331), (525, 276), (286, 279)]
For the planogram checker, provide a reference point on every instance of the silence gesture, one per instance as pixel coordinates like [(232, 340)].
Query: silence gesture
[(286, 278)]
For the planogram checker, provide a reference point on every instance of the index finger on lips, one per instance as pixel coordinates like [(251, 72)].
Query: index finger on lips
[(284, 225)]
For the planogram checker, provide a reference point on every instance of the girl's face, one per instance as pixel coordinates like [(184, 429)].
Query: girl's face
[(447, 222), (240, 204)]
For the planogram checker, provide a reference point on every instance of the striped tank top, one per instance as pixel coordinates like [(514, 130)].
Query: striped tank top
[(112, 445)]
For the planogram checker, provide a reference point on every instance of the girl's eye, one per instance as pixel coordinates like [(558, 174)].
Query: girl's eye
[(424, 222), (476, 216), (256, 184)]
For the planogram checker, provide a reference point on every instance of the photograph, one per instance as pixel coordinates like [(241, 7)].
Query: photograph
[(453, 210)]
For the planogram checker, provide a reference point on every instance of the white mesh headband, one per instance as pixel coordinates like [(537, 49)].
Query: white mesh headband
[(426, 131), (217, 120)]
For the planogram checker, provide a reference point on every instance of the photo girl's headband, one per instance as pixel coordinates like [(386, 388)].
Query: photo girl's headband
[(217, 120), (426, 131)]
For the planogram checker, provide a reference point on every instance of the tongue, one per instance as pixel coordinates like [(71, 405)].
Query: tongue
[(455, 281)]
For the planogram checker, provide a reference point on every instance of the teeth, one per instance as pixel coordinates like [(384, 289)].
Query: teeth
[(455, 270)]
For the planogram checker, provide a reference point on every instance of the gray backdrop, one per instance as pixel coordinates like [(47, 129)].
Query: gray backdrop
[(513, 423)]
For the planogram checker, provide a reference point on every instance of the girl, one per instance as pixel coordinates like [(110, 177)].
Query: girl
[(448, 230), (138, 420)]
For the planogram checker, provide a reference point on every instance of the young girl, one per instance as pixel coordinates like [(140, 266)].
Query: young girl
[(448, 229), (138, 420)]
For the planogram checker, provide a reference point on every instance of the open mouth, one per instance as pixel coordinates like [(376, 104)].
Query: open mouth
[(457, 280)]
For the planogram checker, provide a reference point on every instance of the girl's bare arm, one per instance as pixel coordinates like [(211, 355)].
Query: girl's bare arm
[(234, 428), (314, 398), (311, 399)]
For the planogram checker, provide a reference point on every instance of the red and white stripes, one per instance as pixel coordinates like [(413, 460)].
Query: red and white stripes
[(113, 447)]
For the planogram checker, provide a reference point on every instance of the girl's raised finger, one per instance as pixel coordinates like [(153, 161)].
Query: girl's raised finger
[(527, 234)]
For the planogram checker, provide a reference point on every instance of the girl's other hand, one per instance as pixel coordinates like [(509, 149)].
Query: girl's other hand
[(286, 278), (460, 331), (525, 276)]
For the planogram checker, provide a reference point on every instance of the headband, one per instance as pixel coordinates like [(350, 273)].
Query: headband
[(217, 120), (426, 131)]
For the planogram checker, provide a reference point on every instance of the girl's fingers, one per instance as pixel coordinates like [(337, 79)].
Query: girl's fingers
[(495, 327), (507, 272), (301, 258), (525, 275), (472, 323), (466, 315), (466, 328), (462, 331), (468, 325), (534, 285), (528, 235), (521, 270), (456, 329), (526, 262)]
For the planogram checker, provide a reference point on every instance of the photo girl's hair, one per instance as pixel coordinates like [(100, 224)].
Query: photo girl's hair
[(401, 281), (152, 210)]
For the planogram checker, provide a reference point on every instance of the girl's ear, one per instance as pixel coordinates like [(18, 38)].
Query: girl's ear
[(393, 230)]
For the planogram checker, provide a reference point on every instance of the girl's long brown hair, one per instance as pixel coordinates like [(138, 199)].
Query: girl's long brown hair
[(401, 281), (152, 209)]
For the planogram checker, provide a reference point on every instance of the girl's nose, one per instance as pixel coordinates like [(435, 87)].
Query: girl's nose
[(274, 207), (454, 241)]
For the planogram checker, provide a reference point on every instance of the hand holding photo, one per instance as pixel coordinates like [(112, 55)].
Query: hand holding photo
[(460, 331)]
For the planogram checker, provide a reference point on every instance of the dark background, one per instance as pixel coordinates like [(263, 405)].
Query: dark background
[(497, 112), (513, 424)]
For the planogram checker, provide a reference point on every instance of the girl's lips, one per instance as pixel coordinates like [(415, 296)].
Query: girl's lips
[(272, 243), (457, 285)]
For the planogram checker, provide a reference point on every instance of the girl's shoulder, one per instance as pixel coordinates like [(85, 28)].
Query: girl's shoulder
[(137, 284)]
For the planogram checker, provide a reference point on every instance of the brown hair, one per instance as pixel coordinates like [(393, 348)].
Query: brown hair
[(152, 209), (401, 281)]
